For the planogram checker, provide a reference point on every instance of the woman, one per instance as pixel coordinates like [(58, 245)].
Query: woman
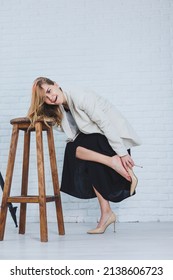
[(97, 161)]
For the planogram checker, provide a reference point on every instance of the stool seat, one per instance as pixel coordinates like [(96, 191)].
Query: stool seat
[(20, 120), (23, 124)]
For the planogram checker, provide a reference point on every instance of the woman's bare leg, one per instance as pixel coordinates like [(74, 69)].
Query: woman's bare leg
[(114, 162), (104, 208)]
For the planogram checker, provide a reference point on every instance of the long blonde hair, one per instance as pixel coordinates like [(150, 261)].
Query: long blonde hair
[(39, 110)]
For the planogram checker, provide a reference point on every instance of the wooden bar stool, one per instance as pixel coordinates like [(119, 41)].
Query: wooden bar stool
[(24, 198)]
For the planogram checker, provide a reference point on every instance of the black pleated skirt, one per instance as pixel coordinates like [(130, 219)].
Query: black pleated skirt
[(80, 176)]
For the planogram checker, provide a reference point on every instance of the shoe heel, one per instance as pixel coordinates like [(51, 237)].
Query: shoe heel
[(134, 181)]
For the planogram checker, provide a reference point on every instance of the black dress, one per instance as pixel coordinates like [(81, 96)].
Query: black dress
[(79, 176)]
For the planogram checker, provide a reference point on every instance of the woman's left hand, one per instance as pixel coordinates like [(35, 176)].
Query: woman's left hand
[(127, 162)]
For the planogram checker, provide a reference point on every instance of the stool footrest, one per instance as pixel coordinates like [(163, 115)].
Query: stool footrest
[(31, 199)]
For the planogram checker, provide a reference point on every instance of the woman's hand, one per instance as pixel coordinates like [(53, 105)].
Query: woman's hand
[(127, 162)]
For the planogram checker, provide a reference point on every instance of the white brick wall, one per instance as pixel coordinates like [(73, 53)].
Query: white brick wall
[(119, 48)]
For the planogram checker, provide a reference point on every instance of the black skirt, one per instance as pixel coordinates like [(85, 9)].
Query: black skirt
[(80, 176)]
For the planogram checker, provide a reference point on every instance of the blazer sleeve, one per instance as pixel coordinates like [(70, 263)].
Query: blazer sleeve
[(96, 107)]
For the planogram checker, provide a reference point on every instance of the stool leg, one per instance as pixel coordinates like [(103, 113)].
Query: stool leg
[(41, 183), (24, 189), (8, 179), (55, 180)]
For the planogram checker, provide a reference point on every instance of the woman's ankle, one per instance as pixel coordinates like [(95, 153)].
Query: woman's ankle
[(104, 216)]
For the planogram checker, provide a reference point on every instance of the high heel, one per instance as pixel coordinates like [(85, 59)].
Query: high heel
[(111, 219), (134, 181)]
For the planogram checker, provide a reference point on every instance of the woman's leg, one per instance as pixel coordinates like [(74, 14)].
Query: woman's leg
[(114, 162), (104, 208)]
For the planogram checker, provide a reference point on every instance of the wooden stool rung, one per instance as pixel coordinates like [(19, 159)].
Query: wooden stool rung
[(31, 199)]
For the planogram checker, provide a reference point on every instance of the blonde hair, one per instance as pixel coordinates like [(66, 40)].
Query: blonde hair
[(39, 110)]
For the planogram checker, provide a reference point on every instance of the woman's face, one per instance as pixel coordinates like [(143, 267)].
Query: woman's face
[(53, 94)]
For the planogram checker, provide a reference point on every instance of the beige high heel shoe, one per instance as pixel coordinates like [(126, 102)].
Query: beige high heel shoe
[(111, 219), (134, 181)]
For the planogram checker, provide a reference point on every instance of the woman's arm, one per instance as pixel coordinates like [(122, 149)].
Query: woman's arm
[(97, 108)]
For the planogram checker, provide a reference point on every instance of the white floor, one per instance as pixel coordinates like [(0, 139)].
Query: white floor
[(130, 241)]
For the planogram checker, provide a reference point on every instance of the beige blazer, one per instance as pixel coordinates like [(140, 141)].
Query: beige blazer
[(94, 114)]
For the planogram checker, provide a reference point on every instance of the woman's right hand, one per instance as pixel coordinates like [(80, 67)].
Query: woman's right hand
[(127, 162)]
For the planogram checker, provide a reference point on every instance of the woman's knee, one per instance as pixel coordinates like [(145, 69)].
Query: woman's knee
[(78, 151)]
